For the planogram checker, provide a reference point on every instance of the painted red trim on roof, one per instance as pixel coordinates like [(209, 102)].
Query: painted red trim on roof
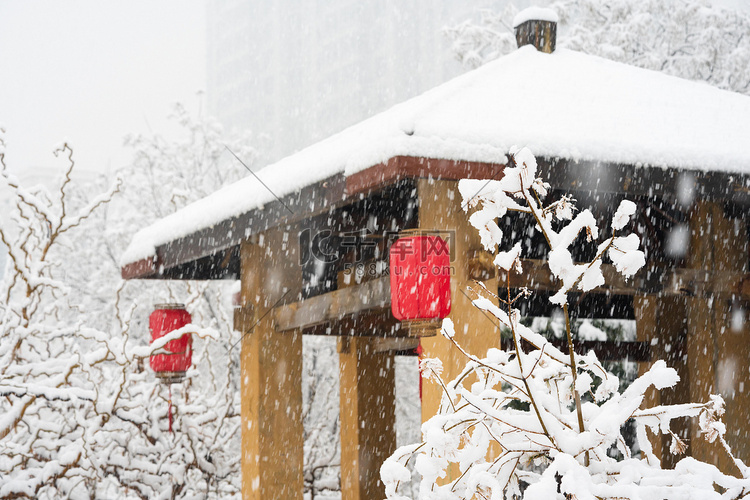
[(402, 167), (139, 269)]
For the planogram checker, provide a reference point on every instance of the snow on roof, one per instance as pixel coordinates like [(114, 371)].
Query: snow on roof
[(535, 14), (565, 104)]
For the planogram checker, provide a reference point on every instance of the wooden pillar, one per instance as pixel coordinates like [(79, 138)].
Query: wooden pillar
[(440, 208), (271, 372), (646, 314), (662, 321), (368, 416), (719, 356)]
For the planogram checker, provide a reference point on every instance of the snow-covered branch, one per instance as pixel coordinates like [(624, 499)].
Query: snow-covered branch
[(81, 415)]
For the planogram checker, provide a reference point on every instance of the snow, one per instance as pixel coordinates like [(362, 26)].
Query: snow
[(535, 14), (508, 260), (431, 368), (678, 241), (566, 104), (625, 254), (622, 215), (448, 330), (587, 331)]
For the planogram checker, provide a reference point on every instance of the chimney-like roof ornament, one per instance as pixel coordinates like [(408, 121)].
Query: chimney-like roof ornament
[(536, 26)]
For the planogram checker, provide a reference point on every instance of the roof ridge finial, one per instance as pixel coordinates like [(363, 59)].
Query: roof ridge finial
[(536, 26)]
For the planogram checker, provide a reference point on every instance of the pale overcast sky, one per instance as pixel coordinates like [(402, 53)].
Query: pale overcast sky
[(91, 72)]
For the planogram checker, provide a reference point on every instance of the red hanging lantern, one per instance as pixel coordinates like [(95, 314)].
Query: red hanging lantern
[(420, 278), (171, 366)]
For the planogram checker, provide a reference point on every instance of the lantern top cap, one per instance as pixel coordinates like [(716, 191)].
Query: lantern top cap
[(168, 305)]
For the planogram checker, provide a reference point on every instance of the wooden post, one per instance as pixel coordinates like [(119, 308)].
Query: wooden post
[(719, 357), (368, 416), (271, 372), (646, 314), (662, 321), (440, 208)]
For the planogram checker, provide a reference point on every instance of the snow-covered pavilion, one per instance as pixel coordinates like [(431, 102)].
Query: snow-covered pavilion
[(602, 131)]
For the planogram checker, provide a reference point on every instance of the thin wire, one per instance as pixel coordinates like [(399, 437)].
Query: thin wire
[(499, 170), (482, 311), (466, 203), (256, 176), (259, 320)]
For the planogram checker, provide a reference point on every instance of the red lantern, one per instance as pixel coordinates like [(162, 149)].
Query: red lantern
[(420, 278), (171, 366)]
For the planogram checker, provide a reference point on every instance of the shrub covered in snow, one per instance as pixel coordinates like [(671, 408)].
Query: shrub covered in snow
[(513, 423), (693, 39), (80, 416)]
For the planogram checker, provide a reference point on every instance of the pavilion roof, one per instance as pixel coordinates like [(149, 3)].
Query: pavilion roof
[(562, 105)]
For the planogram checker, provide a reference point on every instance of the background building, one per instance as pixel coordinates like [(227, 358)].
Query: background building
[(295, 72)]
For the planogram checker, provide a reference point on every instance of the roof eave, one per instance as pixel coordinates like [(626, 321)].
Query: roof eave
[(309, 201), (202, 255)]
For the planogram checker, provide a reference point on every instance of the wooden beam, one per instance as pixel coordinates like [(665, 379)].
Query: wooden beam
[(664, 281), (372, 295), (605, 350), (603, 177), (377, 323), (370, 301), (537, 276), (368, 416), (402, 344)]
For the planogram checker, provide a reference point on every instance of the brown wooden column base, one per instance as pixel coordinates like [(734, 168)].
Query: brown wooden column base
[(368, 416), (662, 323)]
